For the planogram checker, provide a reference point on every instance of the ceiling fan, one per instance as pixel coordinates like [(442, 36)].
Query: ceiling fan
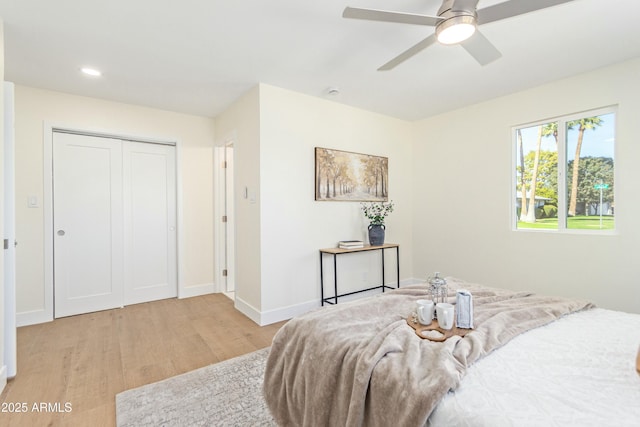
[(456, 23)]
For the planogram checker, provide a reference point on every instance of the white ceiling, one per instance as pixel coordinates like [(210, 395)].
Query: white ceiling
[(198, 56)]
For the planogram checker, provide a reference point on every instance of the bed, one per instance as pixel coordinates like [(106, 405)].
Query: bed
[(531, 360)]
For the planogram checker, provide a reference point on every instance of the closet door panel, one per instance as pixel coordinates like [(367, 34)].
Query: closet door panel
[(149, 222), (88, 244)]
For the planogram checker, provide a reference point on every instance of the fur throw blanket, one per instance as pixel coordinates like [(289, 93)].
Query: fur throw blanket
[(360, 363)]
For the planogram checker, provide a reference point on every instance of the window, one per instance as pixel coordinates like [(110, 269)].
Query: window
[(564, 173)]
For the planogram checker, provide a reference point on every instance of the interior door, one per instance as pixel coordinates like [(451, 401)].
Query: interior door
[(88, 226), (149, 173), (230, 237)]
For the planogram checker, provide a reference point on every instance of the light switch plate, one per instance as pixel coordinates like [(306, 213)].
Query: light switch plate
[(33, 202)]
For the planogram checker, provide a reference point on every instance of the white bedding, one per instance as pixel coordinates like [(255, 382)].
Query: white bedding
[(577, 371)]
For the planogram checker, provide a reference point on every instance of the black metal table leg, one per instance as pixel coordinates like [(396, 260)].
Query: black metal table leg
[(382, 269), (321, 283), (335, 276), (338, 251), (398, 264)]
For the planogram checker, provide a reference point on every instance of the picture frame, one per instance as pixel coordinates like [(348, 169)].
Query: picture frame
[(347, 176)]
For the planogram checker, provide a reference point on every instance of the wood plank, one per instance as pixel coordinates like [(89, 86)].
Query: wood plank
[(84, 361)]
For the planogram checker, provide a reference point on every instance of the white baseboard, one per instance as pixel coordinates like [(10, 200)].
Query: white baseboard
[(261, 318), (268, 317), (247, 309), (3, 377), (34, 317), (272, 316), (286, 313), (196, 290)]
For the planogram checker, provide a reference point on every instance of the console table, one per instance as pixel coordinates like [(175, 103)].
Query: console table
[(339, 251)]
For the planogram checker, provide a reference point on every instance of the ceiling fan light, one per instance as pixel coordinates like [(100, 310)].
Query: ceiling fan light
[(456, 29)]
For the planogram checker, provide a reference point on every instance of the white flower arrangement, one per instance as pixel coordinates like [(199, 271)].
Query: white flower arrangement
[(376, 212)]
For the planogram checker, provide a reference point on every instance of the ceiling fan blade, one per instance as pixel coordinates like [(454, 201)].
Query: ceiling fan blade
[(409, 53), (387, 16), (481, 48), (514, 8)]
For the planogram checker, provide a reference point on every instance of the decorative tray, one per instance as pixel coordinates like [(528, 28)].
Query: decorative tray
[(433, 332)]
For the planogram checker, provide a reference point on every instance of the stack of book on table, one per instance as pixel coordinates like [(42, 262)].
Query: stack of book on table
[(350, 244)]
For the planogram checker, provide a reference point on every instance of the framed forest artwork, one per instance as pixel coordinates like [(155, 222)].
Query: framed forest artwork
[(354, 177)]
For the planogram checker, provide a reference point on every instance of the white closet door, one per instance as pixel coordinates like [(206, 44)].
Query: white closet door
[(149, 174), (88, 244)]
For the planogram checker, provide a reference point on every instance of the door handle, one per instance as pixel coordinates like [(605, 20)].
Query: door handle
[(61, 233)]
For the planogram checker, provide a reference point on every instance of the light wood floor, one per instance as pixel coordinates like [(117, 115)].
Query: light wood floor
[(84, 361)]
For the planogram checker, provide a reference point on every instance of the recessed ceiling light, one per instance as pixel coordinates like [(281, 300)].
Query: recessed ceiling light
[(91, 72)]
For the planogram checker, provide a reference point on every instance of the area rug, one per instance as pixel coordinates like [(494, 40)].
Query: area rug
[(228, 393)]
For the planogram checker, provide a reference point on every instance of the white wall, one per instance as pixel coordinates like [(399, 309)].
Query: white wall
[(450, 178), (240, 123), (294, 226), (463, 168), (195, 137)]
